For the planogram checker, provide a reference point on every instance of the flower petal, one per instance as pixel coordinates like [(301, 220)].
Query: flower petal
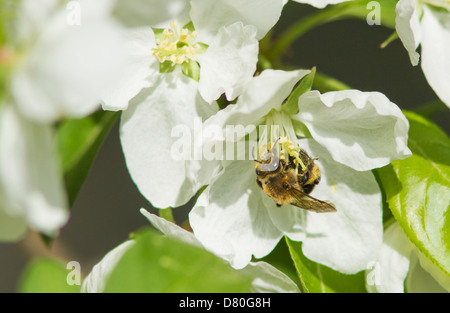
[(29, 173), (170, 229), (140, 71), (267, 278), (230, 218), (67, 68), (349, 239), (289, 219), (435, 27), (389, 272), (96, 280), (363, 130), (262, 94), (147, 137), (229, 62), (408, 27), (138, 13), (209, 16)]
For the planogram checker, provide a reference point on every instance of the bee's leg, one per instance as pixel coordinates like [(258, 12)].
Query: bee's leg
[(259, 183), (278, 205)]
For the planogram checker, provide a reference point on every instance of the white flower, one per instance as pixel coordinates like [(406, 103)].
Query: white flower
[(52, 69), (266, 278), (217, 39), (225, 44), (59, 69), (30, 179), (427, 23), (352, 133), (401, 265)]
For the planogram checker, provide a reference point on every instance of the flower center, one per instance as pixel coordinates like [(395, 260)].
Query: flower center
[(177, 46), (278, 129)]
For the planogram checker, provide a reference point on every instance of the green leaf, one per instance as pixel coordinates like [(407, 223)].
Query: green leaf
[(78, 143), (316, 278), (166, 67), (47, 275), (159, 264), (418, 190), (325, 83), (291, 104), (189, 26), (191, 69), (158, 33)]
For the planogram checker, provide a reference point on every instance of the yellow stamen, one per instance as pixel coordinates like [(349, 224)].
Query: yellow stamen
[(178, 47)]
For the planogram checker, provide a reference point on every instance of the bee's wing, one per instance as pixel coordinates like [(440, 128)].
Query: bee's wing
[(305, 201)]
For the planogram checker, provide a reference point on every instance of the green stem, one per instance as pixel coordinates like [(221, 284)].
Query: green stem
[(325, 83), (167, 214), (304, 25)]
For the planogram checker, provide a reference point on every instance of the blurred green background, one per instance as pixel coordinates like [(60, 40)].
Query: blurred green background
[(107, 209)]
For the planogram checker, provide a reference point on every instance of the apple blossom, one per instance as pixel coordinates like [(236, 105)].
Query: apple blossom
[(180, 68), (214, 42), (352, 132), (60, 69), (51, 69)]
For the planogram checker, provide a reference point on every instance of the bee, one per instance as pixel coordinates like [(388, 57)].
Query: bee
[(280, 180)]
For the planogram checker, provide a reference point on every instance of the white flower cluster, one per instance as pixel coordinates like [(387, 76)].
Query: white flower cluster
[(55, 71)]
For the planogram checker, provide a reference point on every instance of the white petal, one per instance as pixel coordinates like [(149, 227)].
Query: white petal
[(171, 230), (140, 71), (229, 62), (262, 94), (290, 220), (32, 16), (68, 66), (230, 218), (29, 172), (267, 278), (209, 16), (96, 280), (146, 135), (408, 27), (349, 239), (388, 274), (363, 130), (436, 51), (138, 13), (320, 3)]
